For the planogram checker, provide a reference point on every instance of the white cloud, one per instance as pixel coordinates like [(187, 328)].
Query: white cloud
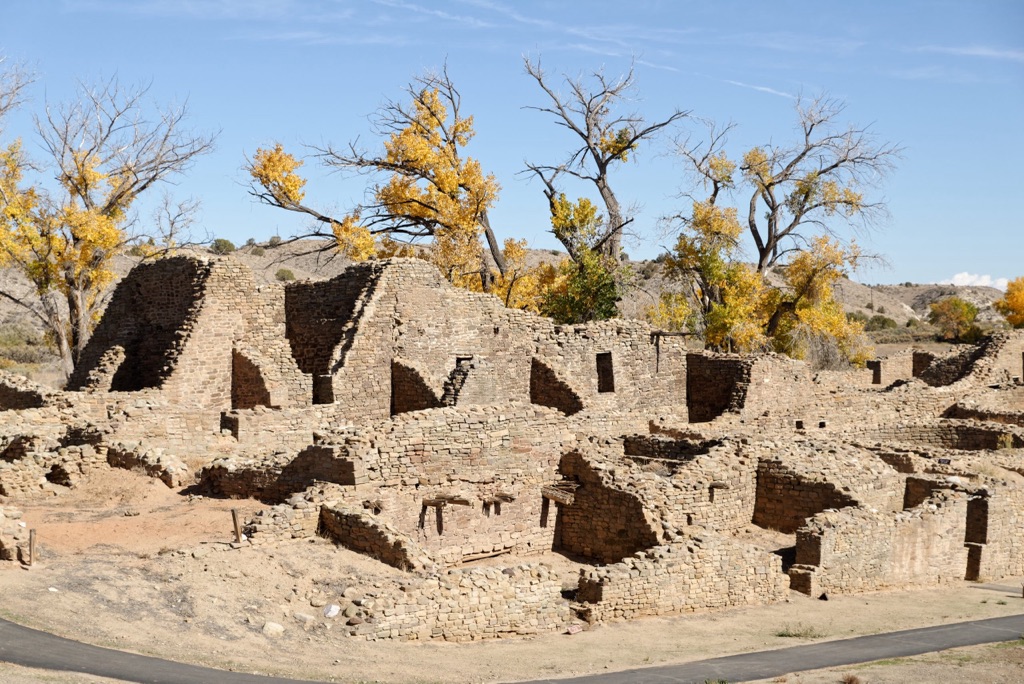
[(762, 89), (983, 51), (965, 278)]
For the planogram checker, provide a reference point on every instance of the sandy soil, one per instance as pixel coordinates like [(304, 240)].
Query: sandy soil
[(127, 563)]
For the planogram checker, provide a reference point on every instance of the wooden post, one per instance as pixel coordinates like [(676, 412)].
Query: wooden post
[(31, 546), (238, 527)]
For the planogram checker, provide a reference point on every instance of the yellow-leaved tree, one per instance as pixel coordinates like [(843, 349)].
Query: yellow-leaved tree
[(1011, 304), (736, 308), (426, 189), (103, 153)]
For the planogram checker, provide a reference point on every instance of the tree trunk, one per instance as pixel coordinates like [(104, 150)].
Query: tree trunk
[(55, 324), (613, 245), (492, 244)]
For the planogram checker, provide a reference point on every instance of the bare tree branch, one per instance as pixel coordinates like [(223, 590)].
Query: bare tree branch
[(604, 138)]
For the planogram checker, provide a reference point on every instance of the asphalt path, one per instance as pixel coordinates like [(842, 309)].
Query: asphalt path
[(32, 648)]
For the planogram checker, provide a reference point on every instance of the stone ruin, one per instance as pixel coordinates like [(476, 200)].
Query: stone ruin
[(440, 433)]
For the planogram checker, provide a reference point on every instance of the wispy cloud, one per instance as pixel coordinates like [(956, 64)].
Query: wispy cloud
[(762, 89), (982, 51), (210, 9), (468, 20), (965, 278), (936, 73), (322, 38)]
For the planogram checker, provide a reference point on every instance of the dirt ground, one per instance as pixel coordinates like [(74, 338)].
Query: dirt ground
[(127, 563)]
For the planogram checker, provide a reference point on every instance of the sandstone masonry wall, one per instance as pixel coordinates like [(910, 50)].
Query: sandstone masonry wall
[(699, 573)]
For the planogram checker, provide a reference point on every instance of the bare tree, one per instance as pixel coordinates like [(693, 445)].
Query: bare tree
[(104, 153), (604, 136), (795, 187)]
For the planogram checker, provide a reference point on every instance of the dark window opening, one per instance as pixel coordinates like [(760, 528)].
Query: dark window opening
[(605, 373), (323, 389)]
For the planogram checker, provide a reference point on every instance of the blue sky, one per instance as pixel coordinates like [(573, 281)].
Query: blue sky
[(942, 78)]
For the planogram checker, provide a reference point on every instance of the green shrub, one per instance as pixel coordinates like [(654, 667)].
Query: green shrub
[(879, 322), (972, 335), (274, 241), (257, 251), (222, 246), (857, 316), (284, 275)]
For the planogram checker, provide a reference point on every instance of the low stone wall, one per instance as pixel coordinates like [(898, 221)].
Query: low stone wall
[(18, 393), (715, 384), (860, 549), (155, 462), (276, 476), (13, 535), (283, 522), (42, 470), (472, 605), (887, 370), (358, 530), (698, 573), (948, 434)]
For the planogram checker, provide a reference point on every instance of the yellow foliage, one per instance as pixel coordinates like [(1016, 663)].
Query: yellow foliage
[(354, 241), (433, 185), (522, 287), (814, 313), (721, 168), (458, 255), (389, 247), (575, 224), (64, 247), (757, 167), (1012, 303), (737, 322), (672, 312), (813, 191), (275, 171), (617, 145), (813, 272), (708, 246)]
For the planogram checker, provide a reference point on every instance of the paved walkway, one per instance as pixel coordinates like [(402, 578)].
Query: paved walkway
[(32, 648)]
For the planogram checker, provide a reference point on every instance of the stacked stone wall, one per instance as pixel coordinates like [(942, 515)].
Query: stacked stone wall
[(699, 573), (993, 524), (472, 604), (785, 499), (13, 535), (860, 549), (145, 327), (887, 370), (715, 384), (275, 477), (18, 393), (948, 434), (603, 523)]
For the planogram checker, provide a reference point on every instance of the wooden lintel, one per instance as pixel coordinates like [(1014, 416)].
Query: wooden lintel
[(500, 498), (557, 495), (442, 501)]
